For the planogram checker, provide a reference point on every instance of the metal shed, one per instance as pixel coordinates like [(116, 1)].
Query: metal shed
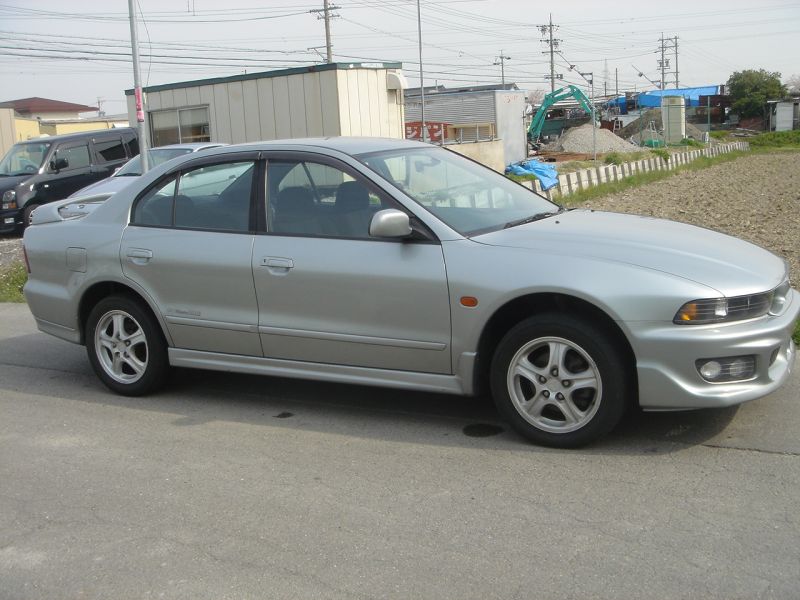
[(364, 99)]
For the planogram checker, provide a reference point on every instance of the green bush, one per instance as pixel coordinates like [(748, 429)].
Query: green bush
[(12, 278), (691, 143), (614, 158), (661, 153), (776, 139), (719, 135)]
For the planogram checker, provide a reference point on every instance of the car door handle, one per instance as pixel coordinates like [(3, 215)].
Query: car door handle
[(277, 264), (139, 256)]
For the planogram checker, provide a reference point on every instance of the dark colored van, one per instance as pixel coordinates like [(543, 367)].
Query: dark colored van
[(51, 168)]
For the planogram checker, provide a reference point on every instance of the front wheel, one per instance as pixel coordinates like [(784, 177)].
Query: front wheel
[(559, 380), (126, 347)]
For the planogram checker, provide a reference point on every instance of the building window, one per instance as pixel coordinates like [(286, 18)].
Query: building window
[(179, 126)]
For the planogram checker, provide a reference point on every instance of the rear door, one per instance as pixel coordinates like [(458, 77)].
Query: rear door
[(330, 293), (60, 183), (189, 245)]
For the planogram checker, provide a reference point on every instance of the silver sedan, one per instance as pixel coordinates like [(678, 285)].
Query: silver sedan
[(395, 263)]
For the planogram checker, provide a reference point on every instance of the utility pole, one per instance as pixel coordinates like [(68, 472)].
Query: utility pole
[(423, 128), (616, 81), (326, 11), (663, 63), (137, 87), (547, 31), (675, 39), (590, 81), (501, 60)]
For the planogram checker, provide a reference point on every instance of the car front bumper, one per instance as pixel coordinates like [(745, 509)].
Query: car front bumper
[(667, 354), (9, 220)]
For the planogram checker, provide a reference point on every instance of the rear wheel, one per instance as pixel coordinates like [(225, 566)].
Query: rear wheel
[(126, 347), (559, 380)]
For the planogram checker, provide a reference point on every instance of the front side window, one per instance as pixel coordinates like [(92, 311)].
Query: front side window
[(77, 157), (468, 197), (213, 197), (308, 198)]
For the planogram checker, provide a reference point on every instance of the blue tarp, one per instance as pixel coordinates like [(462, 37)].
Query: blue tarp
[(620, 102), (544, 172), (652, 99)]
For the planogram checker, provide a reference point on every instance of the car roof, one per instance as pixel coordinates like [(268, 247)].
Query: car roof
[(66, 137), (345, 144), (194, 146)]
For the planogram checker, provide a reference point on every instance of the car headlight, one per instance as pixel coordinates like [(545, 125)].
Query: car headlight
[(9, 199), (737, 308)]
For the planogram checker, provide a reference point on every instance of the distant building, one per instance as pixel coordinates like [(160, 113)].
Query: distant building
[(783, 115), (480, 114), (45, 108)]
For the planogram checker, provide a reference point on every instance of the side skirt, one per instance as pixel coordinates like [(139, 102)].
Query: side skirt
[(428, 382)]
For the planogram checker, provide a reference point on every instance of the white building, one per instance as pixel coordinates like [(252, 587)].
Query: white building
[(360, 99)]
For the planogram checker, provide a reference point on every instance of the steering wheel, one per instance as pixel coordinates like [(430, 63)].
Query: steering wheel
[(29, 167)]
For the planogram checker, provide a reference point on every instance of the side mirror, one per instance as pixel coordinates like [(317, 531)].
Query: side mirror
[(58, 164), (390, 223)]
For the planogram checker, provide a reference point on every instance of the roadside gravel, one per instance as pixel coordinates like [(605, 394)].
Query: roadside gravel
[(756, 198)]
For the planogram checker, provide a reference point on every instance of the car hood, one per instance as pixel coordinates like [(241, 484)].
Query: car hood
[(109, 185), (729, 265), (9, 183)]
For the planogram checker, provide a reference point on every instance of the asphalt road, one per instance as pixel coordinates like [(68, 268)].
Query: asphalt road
[(229, 486)]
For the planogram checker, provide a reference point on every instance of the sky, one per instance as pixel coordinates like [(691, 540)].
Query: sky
[(79, 51)]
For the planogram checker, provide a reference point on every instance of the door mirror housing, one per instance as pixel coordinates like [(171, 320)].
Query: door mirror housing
[(390, 223), (58, 164)]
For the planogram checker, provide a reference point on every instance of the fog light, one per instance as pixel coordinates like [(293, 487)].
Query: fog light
[(8, 220), (711, 370), (725, 370)]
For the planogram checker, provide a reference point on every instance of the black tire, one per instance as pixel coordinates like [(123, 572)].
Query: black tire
[(26, 215), (583, 401), (133, 341)]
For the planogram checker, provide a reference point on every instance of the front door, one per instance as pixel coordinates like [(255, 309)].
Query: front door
[(189, 246), (329, 293)]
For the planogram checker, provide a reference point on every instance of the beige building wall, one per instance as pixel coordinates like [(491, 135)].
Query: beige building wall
[(312, 104), (491, 154), (8, 133)]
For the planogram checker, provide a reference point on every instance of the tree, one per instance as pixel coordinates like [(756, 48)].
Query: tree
[(793, 83), (750, 90)]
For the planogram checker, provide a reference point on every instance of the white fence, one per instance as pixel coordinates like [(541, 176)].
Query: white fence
[(586, 178)]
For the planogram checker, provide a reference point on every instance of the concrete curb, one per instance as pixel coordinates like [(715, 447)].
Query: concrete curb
[(586, 178)]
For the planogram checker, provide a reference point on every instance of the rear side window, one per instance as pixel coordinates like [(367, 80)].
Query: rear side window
[(212, 197), (110, 150)]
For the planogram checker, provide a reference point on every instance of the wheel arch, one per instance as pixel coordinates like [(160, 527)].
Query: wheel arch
[(522, 307), (102, 289)]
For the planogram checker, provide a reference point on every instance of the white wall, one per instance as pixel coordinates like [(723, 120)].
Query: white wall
[(510, 110)]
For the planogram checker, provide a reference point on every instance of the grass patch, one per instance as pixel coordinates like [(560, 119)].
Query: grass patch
[(776, 139), (638, 179), (720, 134), (12, 278), (796, 334), (692, 143)]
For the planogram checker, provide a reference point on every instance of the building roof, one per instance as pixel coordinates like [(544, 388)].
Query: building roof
[(440, 89), (268, 74), (45, 105)]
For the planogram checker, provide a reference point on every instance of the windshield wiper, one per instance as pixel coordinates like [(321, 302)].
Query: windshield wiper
[(531, 219)]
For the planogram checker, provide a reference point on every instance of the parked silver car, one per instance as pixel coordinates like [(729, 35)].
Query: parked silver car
[(131, 170), (395, 263)]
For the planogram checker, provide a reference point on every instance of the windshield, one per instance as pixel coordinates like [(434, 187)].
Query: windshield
[(469, 197), (156, 156), (24, 159)]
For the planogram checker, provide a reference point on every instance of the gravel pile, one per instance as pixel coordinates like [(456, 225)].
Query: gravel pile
[(579, 139), (756, 198)]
